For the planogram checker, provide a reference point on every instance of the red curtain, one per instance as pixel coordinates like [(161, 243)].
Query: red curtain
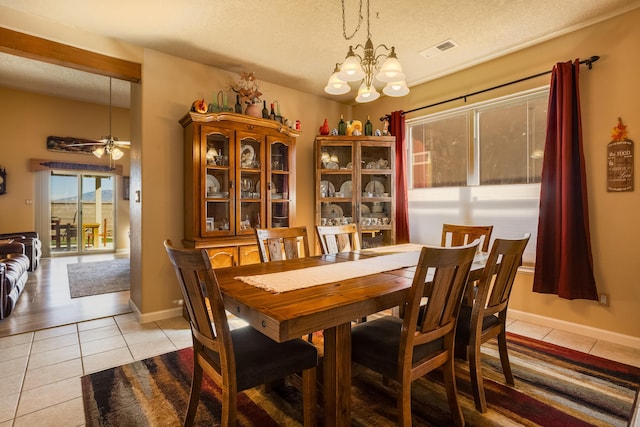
[(396, 128), (564, 265)]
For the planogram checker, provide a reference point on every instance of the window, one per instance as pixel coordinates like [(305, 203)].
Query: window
[(480, 164)]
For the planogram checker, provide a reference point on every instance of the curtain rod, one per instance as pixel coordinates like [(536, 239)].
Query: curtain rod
[(589, 63)]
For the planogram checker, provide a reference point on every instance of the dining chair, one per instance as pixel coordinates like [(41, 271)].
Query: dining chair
[(338, 238), (277, 244), (405, 349), (487, 316), (236, 359), (458, 235)]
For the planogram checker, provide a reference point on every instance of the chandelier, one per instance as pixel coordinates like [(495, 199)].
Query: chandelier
[(362, 66)]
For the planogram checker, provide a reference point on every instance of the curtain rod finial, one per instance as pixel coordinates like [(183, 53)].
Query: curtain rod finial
[(591, 60)]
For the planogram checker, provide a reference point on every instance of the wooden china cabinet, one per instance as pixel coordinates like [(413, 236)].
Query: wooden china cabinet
[(355, 182), (239, 174)]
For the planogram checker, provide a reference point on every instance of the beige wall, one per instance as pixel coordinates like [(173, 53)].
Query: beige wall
[(26, 120), (610, 90), (170, 85)]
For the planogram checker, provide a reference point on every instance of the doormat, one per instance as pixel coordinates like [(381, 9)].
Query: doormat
[(101, 277)]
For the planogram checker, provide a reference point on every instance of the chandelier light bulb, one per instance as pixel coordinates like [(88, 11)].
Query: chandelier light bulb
[(351, 70), (367, 93), (398, 88), (391, 70), (335, 86)]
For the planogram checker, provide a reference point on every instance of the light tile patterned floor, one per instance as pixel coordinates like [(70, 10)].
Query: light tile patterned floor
[(40, 371)]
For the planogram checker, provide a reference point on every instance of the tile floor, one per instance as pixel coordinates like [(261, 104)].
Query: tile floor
[(40, 371)]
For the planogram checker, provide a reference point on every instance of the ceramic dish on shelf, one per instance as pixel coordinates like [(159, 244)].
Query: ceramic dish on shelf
[(375, 187), (327, 188), (372, 165), (346, 189), (349, 165), (247, 156), (332, 211), (364, 210), (332, 165), (213, 185)]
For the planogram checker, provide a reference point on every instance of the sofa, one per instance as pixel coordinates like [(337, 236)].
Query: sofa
[(32, 244), (14, 266)]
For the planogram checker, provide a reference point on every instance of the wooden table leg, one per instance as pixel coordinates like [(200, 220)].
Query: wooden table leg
[(337, 375)]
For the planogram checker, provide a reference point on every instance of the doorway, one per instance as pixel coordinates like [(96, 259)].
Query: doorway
[(82, 213)]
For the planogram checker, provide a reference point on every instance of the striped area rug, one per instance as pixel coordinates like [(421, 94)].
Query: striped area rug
[(554, 387)]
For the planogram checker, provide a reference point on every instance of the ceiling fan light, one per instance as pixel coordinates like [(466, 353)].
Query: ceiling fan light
[(335, 86), (367, 93), (351, 70), (116, 153), (391, 71), (98, 152), (398, 88)]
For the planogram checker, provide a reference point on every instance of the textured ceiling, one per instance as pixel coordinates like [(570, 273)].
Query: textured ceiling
[(296, 44)]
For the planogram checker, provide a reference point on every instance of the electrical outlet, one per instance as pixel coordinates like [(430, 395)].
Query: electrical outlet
[(604, 299)]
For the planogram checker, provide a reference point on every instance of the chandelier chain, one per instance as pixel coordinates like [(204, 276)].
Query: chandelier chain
[(360, 18)]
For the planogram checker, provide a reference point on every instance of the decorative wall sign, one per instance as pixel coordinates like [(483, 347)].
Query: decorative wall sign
[(620, 160), (70, 144)]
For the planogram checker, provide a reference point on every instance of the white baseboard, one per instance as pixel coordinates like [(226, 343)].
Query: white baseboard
[(588, 331), (156, 315)]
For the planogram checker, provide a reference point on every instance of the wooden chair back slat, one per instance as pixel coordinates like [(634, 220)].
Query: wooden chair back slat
[(459, 235), (276, 244), (338, 238)]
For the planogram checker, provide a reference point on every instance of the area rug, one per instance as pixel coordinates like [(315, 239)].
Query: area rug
[(100, 277), (554, 387)]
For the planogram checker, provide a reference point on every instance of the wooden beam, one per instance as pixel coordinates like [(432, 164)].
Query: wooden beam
[(40, 49)]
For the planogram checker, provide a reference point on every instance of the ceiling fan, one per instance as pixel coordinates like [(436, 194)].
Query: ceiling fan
[(109, 144)]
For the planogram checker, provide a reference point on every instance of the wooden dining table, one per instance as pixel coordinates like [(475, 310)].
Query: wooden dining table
[(329, 307)]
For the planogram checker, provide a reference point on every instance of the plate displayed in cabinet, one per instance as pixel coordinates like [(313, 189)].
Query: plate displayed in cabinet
[(327, 189), (346, 189), (364, 210), (213, 185), (332, 211), (332, 165), (375, 187)]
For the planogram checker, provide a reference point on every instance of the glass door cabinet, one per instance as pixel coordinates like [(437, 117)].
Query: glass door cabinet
[(239, 175), (355, 183)]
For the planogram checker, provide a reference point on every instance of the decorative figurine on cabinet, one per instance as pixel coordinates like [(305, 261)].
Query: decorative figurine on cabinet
[(324, 129)]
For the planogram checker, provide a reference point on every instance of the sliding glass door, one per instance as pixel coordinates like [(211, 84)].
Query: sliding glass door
[(82, 212)]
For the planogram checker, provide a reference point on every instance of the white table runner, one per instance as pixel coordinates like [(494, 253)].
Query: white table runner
[(313, 276)]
